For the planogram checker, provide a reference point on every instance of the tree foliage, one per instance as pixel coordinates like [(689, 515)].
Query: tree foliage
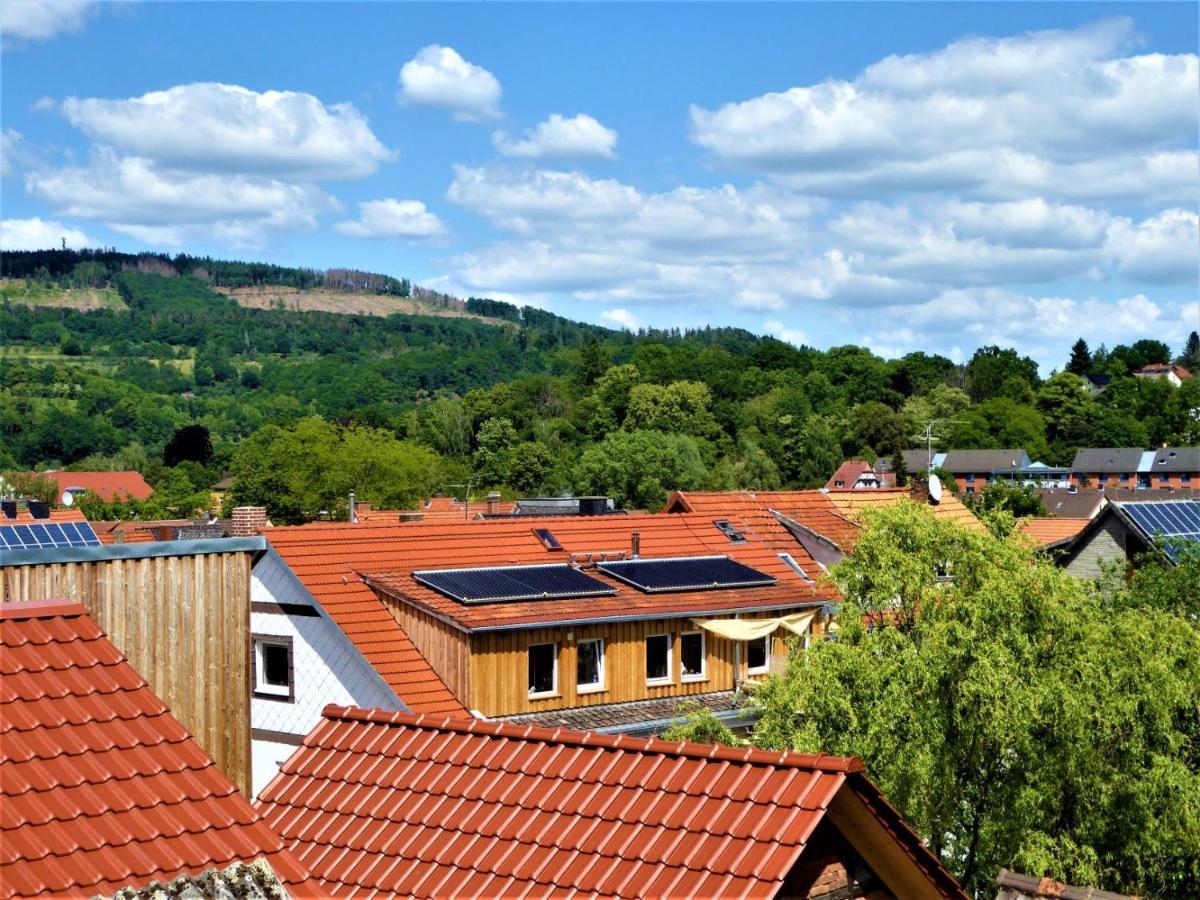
[(1014, 717)]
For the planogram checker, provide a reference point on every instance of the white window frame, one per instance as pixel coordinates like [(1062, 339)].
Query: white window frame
[(765, 668), (670, 676), (602, 683), (264, 690), (703, 673), (553, 692)]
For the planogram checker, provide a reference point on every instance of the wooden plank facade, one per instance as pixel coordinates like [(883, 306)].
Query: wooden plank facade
[(488, 671), (183, 622)]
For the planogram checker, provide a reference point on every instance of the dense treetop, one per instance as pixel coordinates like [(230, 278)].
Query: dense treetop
[(522, 400)]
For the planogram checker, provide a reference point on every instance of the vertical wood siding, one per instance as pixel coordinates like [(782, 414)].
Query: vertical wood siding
[(183, 622), (442, 645), (498, 684)]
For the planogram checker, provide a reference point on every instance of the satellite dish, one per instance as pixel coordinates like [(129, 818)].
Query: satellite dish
[(68, 499), (935, 489)]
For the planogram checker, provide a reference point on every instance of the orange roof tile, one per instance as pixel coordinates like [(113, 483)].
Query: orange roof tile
[(1048, 532), (388, 555), (322, 555), (949, 509), (57, 514), (395, 804), (812, 509), (108, 486), (101, 786)]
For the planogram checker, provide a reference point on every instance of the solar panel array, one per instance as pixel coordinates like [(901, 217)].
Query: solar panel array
[(1176, 521), (494, 585), (685, 573), (48, 536)]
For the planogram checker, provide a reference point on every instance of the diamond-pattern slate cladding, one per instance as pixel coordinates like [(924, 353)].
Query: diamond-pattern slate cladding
[(384, 803), (100, 786)]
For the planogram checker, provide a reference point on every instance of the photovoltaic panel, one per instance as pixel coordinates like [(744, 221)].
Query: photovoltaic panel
[(48, 536), (685, 573), (495, 585), (1176, 522)]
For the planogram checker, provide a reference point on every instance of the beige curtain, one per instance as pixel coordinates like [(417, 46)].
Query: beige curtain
[(752, 629)]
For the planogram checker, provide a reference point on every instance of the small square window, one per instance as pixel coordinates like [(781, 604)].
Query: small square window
[(1185, 478), (658, 659), (691, 656), (273, 669), (1164, 478), (589, 666), (1103, 478), (543, 670), (970, 490), (757, 657), (971, 478)]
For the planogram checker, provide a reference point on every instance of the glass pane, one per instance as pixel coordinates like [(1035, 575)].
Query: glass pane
[(587, 670), (658, 652), (541, 668), (275, 664), (756, 654), (691, 654)]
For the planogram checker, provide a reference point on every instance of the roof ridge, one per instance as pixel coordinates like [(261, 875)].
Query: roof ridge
[(53, 608), (749, 755)]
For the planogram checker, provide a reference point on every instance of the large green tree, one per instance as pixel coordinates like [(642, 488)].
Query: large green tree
[(638, 468), (1012, 715), (308, 469)]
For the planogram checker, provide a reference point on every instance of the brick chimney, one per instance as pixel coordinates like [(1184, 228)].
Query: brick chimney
[(493, 503), (919, 489), (247, 520)]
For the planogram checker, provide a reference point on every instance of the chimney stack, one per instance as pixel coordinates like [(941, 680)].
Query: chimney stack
[(247, 520), (635, 541), (353, 509), (38, 509), (493, 502), (919, 489)]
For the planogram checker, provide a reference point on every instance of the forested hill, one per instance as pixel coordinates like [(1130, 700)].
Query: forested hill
[(518, 399)]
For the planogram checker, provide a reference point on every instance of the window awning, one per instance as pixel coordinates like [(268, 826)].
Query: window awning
[(753, 629)]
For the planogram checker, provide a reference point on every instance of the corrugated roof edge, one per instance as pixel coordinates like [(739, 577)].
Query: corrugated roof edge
[(42, 609), (822, 762), (133, 551)]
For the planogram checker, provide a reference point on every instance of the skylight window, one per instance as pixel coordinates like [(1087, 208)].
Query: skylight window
[(726, 528)]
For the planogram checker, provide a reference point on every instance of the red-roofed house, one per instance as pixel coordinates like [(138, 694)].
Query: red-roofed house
[(858, 474), (108, 486), (618, 655), (381, 803), (101, 787), (1172, 373)]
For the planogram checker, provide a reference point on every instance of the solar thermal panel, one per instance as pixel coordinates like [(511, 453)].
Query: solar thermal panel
[(495, 585), (685, 573)]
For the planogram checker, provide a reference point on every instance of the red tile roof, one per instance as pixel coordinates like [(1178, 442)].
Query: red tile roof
[(421, 806), (108, 486), (101, 786), (1051, 531), (812, 509), (388, 555), (849, 472), (57, 514), (322, 556)]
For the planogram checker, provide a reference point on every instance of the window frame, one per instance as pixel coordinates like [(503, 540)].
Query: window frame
[(702, 675), (669, 678), (765, 668), (260, 690), (602, 684), (553, 692)]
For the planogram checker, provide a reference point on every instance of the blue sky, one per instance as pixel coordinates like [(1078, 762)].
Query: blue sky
[(904, 176)]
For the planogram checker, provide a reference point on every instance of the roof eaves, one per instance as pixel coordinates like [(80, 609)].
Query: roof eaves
[(108, 552)]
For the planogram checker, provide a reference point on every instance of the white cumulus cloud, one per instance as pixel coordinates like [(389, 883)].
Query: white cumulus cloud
[(228, 128), (561, 138), (391, 218), (135, 196), (36, 20), (991, 117), (40, 234), (439, 77), (1164, 249), (621, 318)]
